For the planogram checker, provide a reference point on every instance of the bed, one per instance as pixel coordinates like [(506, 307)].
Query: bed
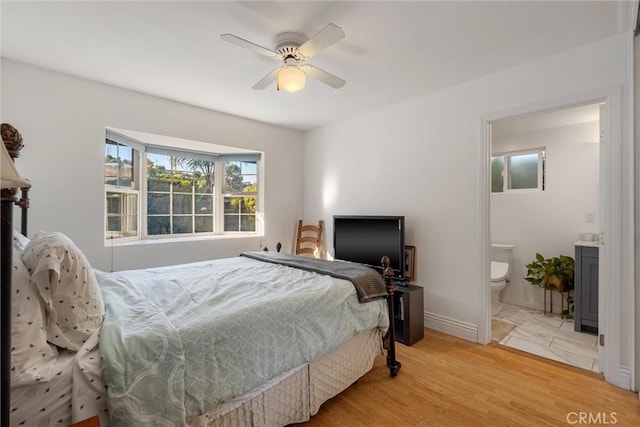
[(258, 339)]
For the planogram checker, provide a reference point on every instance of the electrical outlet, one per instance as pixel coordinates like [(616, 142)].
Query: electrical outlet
[(590, 217)]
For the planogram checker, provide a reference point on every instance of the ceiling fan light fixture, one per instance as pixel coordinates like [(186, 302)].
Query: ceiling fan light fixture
[(290, 78)]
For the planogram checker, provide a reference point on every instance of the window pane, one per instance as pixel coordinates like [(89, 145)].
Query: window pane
[(239, 214), (523, 171), (204, 204), (497, 178), (201, 170), (158, 225), (158, 172), (182, 182), (114, 203), (248, 205), (118, 164), (125, 166), (158, 203), (111, 163), (248, 223), (232, 205), (231, 223), (114, 226), (232, 178), (182, 204), (122, 218), (203, 183), (159, 183), (204, 224), (182, 224), (240, 177)]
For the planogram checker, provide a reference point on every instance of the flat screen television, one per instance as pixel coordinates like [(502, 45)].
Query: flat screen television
[(366, 239)]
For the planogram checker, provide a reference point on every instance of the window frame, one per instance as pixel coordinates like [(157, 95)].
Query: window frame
[(224, 194), (140, 177), (133, 189), (506, 170), (214, 158)]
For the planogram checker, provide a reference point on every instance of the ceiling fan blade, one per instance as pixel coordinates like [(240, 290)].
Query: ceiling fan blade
[(248, 45), (324, 38), (323, 76), (267, 80)]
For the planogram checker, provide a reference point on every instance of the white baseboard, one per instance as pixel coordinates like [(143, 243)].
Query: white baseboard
[(451, 326), (624, 378)]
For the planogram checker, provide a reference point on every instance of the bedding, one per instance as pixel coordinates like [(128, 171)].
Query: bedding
[(177, 341), (20, 242), (32, 356), (297, 395), (73, 392), (178, 344), (45, 403), (369, 286), (67, 285)]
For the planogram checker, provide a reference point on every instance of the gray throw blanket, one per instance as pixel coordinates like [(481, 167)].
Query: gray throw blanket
[(368, 283)]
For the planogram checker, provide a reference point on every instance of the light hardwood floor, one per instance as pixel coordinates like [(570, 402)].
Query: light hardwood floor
[(447, 381)]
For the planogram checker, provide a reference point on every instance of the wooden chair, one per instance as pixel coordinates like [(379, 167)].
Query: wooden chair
[(309, 239)]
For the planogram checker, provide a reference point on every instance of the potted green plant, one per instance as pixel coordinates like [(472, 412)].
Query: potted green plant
[(555, 274)]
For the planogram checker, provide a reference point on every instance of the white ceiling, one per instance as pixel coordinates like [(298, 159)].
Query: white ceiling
[(392, 51)]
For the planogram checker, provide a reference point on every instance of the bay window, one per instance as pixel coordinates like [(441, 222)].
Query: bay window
[(178, 192)]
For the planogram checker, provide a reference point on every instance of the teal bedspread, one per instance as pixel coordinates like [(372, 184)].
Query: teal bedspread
[(177, 341)]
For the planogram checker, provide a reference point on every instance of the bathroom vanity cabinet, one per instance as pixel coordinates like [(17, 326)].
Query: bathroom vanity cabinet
[(409, 314), (585, 293)]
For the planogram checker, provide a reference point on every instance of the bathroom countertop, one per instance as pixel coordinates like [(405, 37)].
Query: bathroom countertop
[(585, 243)]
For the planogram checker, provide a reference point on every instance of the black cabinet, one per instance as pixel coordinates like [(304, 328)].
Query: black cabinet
[(585, 294), (409, 314)]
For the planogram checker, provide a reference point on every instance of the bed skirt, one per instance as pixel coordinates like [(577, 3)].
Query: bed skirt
[(297, 395)]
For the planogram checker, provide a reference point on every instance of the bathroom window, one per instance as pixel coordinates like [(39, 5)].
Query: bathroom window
[(518, 171)]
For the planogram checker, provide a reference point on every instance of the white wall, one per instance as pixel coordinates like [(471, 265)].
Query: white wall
[(62, 120), (547, 222), (422, 158)]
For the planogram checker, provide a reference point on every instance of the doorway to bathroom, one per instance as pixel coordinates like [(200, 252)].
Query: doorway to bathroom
[(544, 199)]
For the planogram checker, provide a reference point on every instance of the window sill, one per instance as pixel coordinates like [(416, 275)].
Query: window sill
[(110, 243)]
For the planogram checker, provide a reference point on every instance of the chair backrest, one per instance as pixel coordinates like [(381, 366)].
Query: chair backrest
[(309, 239)]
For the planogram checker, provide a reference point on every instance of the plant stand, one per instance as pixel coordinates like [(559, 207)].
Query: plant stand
[(562, 300)]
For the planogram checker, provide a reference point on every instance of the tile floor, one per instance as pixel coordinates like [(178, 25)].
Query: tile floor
[(549, 336)]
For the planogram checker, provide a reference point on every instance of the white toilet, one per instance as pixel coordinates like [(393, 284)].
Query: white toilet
[(500, 267)]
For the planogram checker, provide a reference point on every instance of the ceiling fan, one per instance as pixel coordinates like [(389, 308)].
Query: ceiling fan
[(293, 49)]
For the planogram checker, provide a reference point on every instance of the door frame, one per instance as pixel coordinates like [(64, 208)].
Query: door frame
[(616, 215)]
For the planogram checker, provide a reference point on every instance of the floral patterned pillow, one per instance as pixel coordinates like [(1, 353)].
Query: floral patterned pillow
[(31, 355), (68, 287)]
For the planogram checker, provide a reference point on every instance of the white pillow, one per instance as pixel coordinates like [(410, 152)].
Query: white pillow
[(68, 286), (19, 242), (31, 355)]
